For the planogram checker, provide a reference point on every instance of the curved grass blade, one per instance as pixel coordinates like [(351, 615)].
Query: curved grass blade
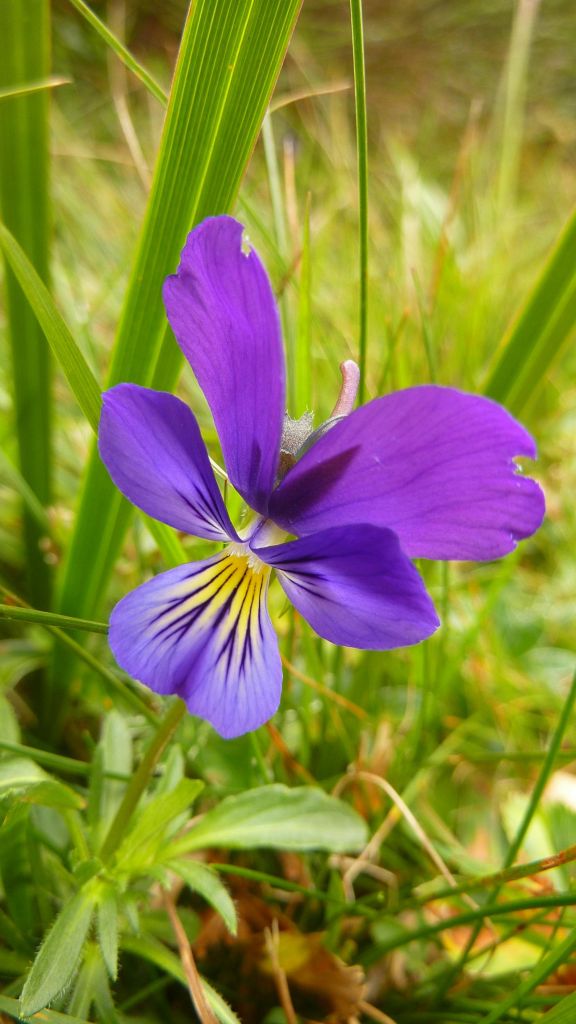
[(541, 329), (82, 381), (54, 328)]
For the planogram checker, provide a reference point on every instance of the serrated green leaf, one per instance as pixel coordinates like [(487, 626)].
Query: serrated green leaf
[(156, 953), (59, 953), (204, 880), (107, 929), (26, 780), (12, 1007), (276, 816), (139, 847)]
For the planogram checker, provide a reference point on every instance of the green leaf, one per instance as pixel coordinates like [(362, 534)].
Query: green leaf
[(107, 928), (229, 58), (59, 953), (276, 816), (12, 1007), (204, 880), (24, 779), (156, 953), (139, 848), (116, 744), (16, 870), (24, 170), (542, 327)]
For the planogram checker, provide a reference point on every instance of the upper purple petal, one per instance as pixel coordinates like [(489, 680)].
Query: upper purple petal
[(202, 631), (431, 463), (151, 445), (221, 308), (355, 587)]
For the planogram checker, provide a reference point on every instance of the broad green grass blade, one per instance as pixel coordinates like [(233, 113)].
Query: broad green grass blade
[(229, 59), (25, 35), (543, 326)]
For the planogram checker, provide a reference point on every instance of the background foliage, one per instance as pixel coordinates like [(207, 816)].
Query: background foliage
[(412, 814)]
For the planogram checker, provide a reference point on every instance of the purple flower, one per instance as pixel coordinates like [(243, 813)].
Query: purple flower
[(427, 472)]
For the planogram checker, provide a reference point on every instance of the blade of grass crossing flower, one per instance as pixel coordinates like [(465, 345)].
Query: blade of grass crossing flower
[(362, 158), (9, 611), (25, 35), (229, 59), (542, 327)]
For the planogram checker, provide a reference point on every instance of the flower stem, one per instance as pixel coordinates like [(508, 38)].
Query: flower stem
[(362, 156), (136, 787)]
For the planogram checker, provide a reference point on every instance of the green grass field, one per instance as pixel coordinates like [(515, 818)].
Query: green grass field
[(397, 844)]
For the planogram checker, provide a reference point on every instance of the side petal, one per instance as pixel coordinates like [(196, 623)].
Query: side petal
[(355, 586), (431, 463), (221, 308), (202, 631), (151, 445)]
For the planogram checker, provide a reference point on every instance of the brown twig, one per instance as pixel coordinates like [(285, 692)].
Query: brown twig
[(337, 698), (195, 989), (280, 979)]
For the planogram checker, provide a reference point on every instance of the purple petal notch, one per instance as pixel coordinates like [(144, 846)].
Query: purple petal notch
[(433, 464), (222, 311)]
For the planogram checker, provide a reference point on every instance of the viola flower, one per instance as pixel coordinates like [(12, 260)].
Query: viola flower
[(427, 472)]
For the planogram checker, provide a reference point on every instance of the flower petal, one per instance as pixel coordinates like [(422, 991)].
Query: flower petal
[(431, 463), (221, 308), (202, 631), (151, 445), (355, 586)]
